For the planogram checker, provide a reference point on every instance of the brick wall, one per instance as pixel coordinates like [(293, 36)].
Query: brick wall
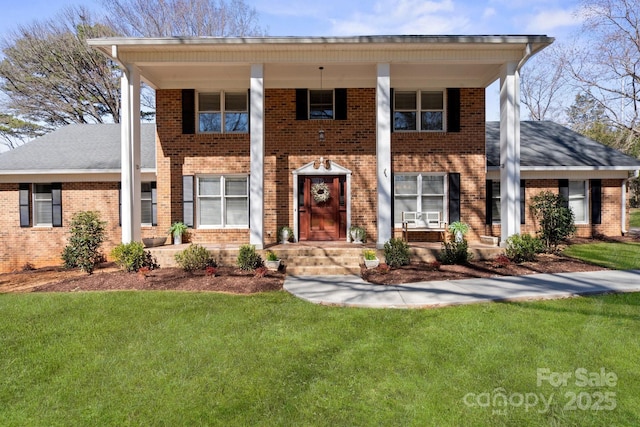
[(42, 246), (291, 143), (462, 152), (611, 199)]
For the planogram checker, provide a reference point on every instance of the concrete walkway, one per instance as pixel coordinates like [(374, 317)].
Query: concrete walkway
[(352, 291)]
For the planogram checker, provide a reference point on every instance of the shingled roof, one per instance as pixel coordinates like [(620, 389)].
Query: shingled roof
[(547, 146), (78, 148)]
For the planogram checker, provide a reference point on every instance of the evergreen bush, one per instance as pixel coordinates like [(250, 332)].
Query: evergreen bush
[(454, 252), (132, 257), (555, 218), (523, 247), (87, 234), (195, 257), (248, 258), (396, 253)]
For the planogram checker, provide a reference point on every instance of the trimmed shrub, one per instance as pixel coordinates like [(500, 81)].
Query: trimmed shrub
[(87, 234), (523, 247), (396, 253), (195, 257), (454, 252), (132, 257), (248, 258), (555, 218)]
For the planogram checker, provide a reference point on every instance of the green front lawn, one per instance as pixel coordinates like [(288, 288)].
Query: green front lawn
[(152, 358), (635, 218), (619, 256)]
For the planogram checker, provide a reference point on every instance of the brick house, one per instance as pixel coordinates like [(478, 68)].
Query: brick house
[(252, 134)]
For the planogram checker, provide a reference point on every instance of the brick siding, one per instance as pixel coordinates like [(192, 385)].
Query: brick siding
[(42, 246)]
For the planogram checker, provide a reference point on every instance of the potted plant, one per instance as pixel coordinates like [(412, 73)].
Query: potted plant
[(272, 262), (458, 229), (358, 234), (285, 234), (176, 230), (370, 258)]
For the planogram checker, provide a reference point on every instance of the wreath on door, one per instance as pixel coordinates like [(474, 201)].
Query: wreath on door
[(320, 192)]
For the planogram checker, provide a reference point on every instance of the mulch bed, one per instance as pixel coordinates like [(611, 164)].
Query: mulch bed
[(422, 271)]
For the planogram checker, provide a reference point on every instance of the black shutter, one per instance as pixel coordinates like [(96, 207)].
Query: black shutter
[(522, 201), (391, 105), (187, 200), (453, 110), (56, 204), (188, 111), (488, 205), (120, 204), (341, 104), (154, 204), (454, 197), (25, 217), (302, 108), (563, 190), (596, 201)]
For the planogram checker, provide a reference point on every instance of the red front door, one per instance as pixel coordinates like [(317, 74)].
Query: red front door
[(320, 207)]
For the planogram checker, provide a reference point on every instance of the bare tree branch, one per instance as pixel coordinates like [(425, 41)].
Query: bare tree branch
[(186, 18), (52, 77), (543, 85)]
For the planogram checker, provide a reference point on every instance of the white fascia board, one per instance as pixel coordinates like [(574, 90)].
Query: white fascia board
[(565, 173), (70, 176)]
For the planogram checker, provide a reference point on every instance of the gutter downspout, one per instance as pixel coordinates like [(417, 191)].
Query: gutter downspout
[(528, 53), (623, 202)]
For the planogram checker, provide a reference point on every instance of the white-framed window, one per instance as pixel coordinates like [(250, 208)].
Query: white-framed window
[(579, 200), (223, 112), (42, 205), (223, 201), (146, 204), (495, 202), (421, 110), (419, 192), (321, 104)]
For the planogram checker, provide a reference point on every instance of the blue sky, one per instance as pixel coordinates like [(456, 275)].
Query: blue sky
[(555, 18), (357, 17)]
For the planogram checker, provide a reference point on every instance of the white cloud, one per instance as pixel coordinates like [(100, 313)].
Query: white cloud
[(488, 13), (548, 20), (403, 17)]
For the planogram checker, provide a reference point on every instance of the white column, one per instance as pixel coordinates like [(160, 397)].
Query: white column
[(256, 180), (383, 153), (509, 151), (130, 155)]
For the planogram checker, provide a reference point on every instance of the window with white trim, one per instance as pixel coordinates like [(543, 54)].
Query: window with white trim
[(419, 192), (223, 112), (321, 104), (42, 205), (495, 202), (579, 201), (146, 204), (421, 110), (223, 201)]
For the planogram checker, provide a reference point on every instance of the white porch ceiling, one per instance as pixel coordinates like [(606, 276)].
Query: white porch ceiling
[(416, 61)]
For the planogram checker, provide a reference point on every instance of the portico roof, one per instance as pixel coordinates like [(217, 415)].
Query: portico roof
[(289, 62)]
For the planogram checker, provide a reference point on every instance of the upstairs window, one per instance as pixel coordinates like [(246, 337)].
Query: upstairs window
[(223, 112), (418, 111), (321, 104)]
